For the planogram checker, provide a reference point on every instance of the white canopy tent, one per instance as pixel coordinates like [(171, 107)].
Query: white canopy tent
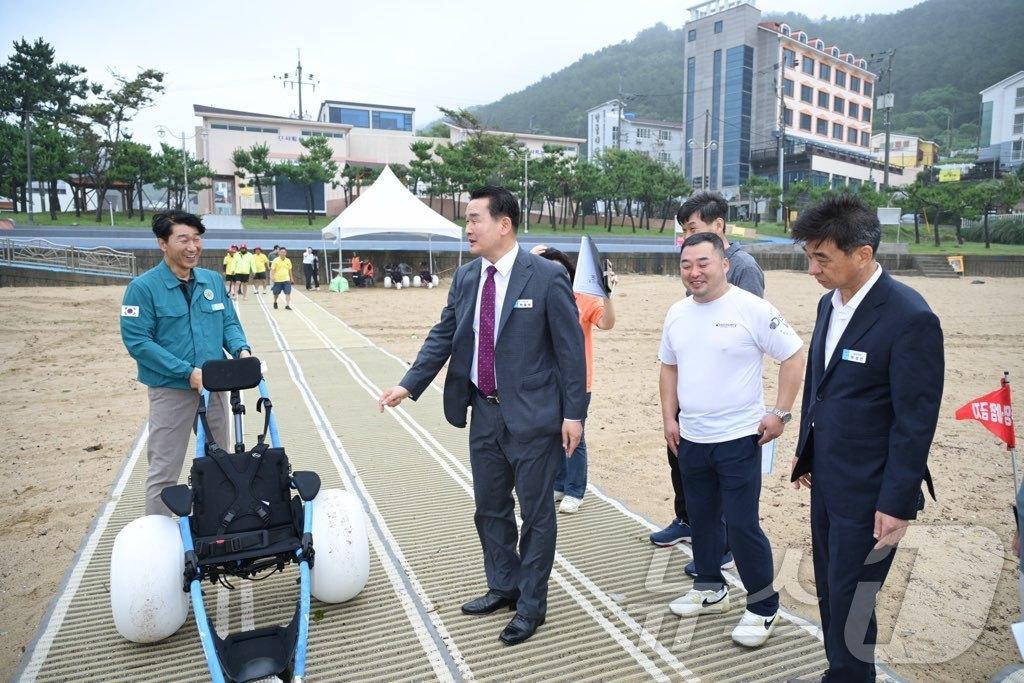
[(387, 206)]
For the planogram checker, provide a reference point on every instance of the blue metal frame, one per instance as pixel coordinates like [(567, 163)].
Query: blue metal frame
[(195, 588)]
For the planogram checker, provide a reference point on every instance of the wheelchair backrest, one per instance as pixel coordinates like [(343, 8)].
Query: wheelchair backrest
[(235, 492)]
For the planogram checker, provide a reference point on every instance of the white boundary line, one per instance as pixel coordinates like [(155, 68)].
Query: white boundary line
[(409, 424), (41, 647), (336, 450)]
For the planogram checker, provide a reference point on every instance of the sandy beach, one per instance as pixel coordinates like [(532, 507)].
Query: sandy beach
[(72, 408)]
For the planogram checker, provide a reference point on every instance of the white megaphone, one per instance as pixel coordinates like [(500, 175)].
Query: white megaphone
[(591, 276)]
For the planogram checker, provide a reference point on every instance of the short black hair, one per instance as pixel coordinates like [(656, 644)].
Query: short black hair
[(163, 222), (500, 202), (710, 205), (842, 219), (558, 256), (700, 238)]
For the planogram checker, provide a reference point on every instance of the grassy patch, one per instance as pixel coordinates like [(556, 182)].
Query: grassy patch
[(86, 220)]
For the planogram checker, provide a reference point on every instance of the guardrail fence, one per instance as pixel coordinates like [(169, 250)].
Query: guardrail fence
[(40, 253)]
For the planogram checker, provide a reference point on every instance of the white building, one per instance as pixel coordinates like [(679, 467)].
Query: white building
[(660, 140), (534, 142), (1002, 121)]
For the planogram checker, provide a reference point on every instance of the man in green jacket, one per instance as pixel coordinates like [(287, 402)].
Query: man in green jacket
[(174, 318)]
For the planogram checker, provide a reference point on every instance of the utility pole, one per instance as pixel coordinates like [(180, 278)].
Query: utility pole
[(888, 99), (707, 133), (287, 80), (782, 137), (27, 121)]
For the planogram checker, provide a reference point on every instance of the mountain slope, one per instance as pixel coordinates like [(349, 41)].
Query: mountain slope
[(939, 44)]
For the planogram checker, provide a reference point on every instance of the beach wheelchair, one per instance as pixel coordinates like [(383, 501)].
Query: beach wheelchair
[(238, 520)]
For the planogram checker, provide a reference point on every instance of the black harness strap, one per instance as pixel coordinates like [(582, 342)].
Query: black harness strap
[(244, 502)]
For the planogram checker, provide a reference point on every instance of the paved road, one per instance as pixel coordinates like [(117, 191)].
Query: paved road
[(140, 238)]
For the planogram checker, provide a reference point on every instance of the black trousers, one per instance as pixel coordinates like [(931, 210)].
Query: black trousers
[(312, 277), (679, 501)]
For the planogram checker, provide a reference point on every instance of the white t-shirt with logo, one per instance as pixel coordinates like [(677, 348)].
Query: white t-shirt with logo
[(719, 349)]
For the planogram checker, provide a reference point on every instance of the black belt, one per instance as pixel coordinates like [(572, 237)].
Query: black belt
[(492, 399)]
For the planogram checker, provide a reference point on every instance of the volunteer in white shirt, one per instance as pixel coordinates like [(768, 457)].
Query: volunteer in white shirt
[(712, 349)]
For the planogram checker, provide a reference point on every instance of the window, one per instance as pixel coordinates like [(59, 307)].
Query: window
[(392, 120), (868, 89), (851, 135), (357, 118), (718, 26), (805, 122), (1020, 97), (1017, 153), (865, 114), (787, 87), (807, 64), (840, 78), (218, 126), (326, 134), (643, 132), (854, 83), (1018, 124), (837, 131), (691, 35), (664, 135), (234, 127), (823, 99), (663, 157), (788, 57), (736, 116), (839, 104), (787, 116), (822, 127), (807, 94), (824, 72), (260, 129), (838, 180), (865, 139), (854, 110)]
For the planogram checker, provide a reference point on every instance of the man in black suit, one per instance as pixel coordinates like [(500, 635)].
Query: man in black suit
[(511, 330), (870, 405)]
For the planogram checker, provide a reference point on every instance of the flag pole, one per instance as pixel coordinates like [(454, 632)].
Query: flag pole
[(1005, 382)]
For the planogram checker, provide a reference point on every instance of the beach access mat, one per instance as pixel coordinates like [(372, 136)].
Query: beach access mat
[(609, 591)]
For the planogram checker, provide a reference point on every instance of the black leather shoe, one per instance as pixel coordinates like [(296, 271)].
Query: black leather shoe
[(491, 602), (519, 629)]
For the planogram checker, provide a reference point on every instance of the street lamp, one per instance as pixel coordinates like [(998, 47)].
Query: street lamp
[(708, 145), (162, 130), (526, 190)]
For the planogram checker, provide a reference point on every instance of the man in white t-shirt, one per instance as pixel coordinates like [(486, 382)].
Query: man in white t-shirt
[(712, 350)]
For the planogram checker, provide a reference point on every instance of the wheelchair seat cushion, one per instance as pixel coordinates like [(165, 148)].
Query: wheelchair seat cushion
[(242, 504)]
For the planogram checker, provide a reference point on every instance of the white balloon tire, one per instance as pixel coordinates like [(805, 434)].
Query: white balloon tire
[(341, 565), (147, 566), (387, 282), (416, 281)]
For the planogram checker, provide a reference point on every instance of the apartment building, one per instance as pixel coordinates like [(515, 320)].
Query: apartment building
[(660, 140)]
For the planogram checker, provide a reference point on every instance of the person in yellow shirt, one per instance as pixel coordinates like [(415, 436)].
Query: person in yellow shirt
[(281, 275), (244, 266), (229, 269), (259, 271)]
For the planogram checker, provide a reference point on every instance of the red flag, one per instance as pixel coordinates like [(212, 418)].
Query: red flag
[(994, 412)]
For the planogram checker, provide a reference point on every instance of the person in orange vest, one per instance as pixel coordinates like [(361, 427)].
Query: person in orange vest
[(367, 273)]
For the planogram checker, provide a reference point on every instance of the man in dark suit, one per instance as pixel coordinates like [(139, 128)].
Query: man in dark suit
[(870, 404), (511, 330)]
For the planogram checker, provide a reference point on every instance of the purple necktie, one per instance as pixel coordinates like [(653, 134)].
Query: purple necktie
[(485, 357)]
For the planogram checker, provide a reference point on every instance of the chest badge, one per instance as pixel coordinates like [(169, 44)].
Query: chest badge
[(208, 295)]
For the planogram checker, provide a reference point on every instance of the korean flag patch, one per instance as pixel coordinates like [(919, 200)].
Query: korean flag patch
[(129, 311)]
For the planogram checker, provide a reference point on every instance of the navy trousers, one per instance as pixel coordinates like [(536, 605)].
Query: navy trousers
[(726, 477), (848, 574), (500, 464)]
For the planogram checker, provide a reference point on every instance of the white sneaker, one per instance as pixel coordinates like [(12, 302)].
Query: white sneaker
[(753, 629), (559, 495), (570, 505), (701, 602)]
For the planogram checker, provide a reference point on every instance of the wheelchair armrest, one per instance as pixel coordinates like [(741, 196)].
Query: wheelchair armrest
[(307, 484), (178, 499)]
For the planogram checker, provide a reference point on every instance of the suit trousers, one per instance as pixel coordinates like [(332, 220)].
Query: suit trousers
[(172, 412), (848, 574), (501, 464), (726, 477)]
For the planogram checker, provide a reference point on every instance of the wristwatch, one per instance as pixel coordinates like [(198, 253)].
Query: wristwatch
[(783, 415)]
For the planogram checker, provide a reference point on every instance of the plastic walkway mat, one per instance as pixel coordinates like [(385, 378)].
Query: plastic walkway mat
[(607, 614)]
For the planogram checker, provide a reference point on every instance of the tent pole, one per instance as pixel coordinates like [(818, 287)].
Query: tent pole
[(327, 263), (430, 251)]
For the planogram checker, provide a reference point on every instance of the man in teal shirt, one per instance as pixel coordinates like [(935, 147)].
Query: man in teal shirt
[(174, 318)]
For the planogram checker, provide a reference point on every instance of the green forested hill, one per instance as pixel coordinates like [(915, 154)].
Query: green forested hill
[(946, 51)]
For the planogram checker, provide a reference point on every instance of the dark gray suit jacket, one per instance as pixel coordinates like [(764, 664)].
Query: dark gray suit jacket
[(540, 364)]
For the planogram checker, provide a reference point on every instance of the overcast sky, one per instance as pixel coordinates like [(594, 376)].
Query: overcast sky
[(422, 54)]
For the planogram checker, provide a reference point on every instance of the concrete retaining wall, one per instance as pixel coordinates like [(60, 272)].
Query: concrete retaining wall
[(15, 276)]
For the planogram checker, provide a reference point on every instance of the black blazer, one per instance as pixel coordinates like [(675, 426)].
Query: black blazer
[(539, 360), (873, 421)]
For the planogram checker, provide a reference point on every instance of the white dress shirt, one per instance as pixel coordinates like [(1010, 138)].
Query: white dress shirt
[(841, 313), (504, 266)]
